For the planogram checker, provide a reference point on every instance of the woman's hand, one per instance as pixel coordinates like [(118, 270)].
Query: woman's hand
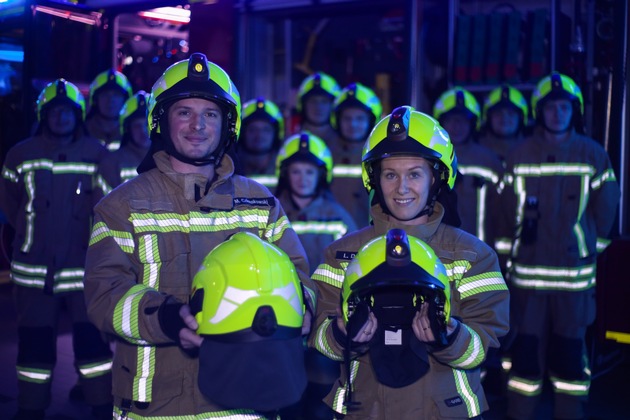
[(366, 332), (188, 336), (422, 326)]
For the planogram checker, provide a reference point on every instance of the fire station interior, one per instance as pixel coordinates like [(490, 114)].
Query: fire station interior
[(408, 51)]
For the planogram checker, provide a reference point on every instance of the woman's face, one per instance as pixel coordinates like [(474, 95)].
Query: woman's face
[(405, 182), (303, 178)]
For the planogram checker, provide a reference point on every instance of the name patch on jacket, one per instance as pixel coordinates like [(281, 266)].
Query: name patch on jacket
[(345, 255), (452, 402), (256, 202)]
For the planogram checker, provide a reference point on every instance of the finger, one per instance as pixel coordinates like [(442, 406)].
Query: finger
[(189, 339), (188, 318)]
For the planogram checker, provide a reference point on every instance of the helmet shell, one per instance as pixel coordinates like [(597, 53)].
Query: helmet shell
[(238, 278), (134, 107), (60, 91), (261, 108), (360, 96), (319, 82), (406, 132), (305, 147), (557, 86), (394, 259), (196, 77), (457, 99), (506, 95), (110, 79)]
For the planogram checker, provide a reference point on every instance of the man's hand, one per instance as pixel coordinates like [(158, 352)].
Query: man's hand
[(187, 336), (306, 322)]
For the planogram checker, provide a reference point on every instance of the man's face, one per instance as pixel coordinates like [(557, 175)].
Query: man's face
[(195, 127), (354, 123), (458, 126), (504, 121), (557, 114), (303, 178), (405, 183), (139, 132), (317, 109), (61, 120), (259, 136), (109, 102)]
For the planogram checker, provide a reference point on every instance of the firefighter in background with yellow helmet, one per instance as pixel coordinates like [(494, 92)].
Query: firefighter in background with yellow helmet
[(152, 233), (315, 100), (504, 119), (121, 165), (561, 196), (407, 160), (47, 194), (108, 92), (480, 169), (261, 137), (304, 170), (356, 110)]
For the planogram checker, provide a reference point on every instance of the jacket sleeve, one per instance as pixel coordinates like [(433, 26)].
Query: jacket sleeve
[(280, 233), (329, 277), (117, 302), (9, 189), (603, 201), (479, 301)]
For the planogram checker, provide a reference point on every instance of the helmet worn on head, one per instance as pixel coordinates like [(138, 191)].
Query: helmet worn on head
[(406, 132), (557, 86), (506, 95), (305, 147), (401, 263), (357, 95), (457, 99), (134, 107), (247, 289), (264, 109), (196, 77), (60, 91), (107, 80), (317, 83)]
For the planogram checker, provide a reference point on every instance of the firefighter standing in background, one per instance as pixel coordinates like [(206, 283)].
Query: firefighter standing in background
[(407, 160), (315, 99), (152, 233), (477, 188), (121, 165), (261, 136), (504, 119), (561, 196), (47, 194), (108, 92), (356, 111)]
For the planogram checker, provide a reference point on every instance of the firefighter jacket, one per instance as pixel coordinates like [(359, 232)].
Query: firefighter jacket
[(47, 195), (107, 134), (502, 147), (250, 166), (479, 301), (320, 223), (477, 188), (150, 235), (561, 199), (118, 167), (347, 184)]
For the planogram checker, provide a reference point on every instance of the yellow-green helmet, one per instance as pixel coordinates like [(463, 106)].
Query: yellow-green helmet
[(397, 262), (317, 83), (247, 289), (110, 79), (457, 100), (305, 147), (61, 91), (506, 95), (360, 96), (557, 86), (406, 132), (264, 109), (134, 107)]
